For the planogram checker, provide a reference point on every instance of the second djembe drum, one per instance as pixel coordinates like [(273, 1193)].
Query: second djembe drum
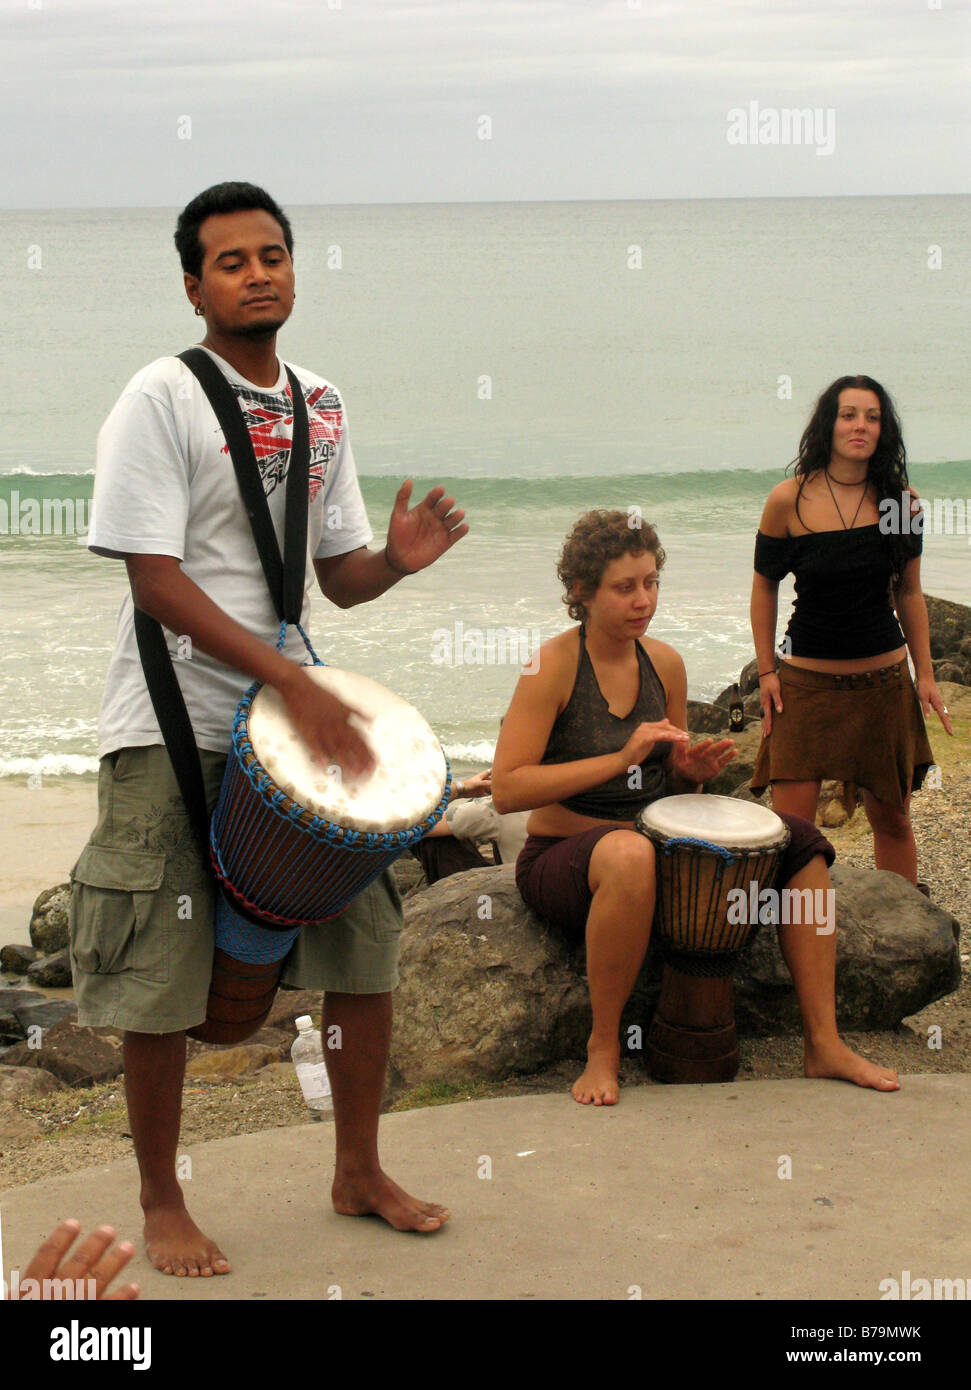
[(706, 847)]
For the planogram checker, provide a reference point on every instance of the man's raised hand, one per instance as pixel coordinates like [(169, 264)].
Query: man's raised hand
[(421, 535)]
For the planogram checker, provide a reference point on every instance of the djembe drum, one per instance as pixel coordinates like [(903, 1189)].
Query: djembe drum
[(707, 846), (294, 842)]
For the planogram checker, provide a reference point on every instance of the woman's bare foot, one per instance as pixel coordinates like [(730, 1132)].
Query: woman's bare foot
[(175, 1245), (836, 1060), (374, 1194), (598, 1085)]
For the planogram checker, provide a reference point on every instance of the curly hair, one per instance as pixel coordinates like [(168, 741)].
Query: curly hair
[(597, 538), (887, 468)]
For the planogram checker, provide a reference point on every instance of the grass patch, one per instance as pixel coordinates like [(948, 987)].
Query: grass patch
[(99, 1108), (444, 1093)]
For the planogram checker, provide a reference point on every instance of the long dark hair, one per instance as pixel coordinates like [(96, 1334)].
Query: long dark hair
[(887, 468)]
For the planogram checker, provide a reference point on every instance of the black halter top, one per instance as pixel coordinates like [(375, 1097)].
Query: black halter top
[(587, 729)]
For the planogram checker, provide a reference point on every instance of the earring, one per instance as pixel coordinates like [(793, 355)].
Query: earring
[(200, 311)]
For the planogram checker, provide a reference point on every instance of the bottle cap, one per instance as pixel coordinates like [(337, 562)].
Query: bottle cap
[(304, 1022)]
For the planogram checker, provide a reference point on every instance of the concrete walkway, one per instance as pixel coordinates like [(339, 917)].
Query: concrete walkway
[(676, 1192)]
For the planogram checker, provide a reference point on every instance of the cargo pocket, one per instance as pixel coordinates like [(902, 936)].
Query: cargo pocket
[(118, 915), (384, 902)]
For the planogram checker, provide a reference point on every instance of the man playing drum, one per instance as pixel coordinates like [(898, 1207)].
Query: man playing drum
[(167, 502), (604, 700)]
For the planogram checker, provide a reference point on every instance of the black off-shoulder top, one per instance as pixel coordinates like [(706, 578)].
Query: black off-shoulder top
[(843, 605)]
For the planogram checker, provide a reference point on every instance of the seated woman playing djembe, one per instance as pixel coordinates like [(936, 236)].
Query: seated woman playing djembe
[(602, 702)]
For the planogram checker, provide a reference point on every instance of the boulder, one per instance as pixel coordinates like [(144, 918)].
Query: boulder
[(289, 1005), (231, 1062), (48, 923), (408, 873), (12, 999), (73, 1054), (948, 670), (14, 959), (950, 628), (43, 1013), (276, 1040), (895, 953), (14, 1125), (748, 685), (488, 991), (51, 972), (704, 718), (27, 1081), (740, 770)]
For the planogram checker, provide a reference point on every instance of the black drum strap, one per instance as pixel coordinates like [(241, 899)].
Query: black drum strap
[(285, 577)]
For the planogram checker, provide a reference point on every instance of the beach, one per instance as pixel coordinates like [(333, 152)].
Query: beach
[(43, 829)]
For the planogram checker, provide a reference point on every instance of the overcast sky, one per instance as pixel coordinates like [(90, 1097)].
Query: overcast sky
[(138, 103)]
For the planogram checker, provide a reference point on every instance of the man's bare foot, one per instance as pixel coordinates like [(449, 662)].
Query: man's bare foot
[(839, 1062), (598, 1084), (175, 1245), (374, 1194)]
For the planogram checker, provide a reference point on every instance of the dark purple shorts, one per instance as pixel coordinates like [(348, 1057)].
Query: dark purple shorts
[(552, 872)]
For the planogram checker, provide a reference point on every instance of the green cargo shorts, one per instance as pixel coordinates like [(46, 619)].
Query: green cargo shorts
[(142, 906)]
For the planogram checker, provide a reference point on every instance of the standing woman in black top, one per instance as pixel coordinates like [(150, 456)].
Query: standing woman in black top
[(843, 704)]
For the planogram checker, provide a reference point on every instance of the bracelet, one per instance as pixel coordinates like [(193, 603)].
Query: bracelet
[(387, 561), (458, 790), (766, 673)]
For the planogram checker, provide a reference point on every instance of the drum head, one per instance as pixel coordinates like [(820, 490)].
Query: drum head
[(405, 787), (722, 820)]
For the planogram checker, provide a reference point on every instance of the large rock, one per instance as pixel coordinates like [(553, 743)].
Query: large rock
[(486, 989), (14, 1125), (15, 958), (491, 996), (73, 1054), (12, 999), (48, 923), (41, 1012), (232, 1062), (275, 1040), (27, 1081), (51, 972), (289, 1005), (740, 770), (704, 718), (950, 632), (893, 949)]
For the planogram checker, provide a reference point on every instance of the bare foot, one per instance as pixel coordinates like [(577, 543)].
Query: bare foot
[(598, 1084), (839, 1062), (175, 1245), (374, 1194)]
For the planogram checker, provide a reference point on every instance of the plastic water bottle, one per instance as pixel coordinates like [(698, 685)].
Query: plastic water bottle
[(308, 1058)]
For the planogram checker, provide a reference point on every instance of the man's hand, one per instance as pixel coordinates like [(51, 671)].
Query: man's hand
[(91, 1260), (704, 761), (324, 723), (417, 538)]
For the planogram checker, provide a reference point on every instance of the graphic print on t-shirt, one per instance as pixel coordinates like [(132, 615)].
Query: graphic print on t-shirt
[(269, 419)]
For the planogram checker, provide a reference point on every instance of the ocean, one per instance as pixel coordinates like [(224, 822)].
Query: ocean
[(538, 360)]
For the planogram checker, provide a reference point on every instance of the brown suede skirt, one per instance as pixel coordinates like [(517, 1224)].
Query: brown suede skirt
[(864, 730)]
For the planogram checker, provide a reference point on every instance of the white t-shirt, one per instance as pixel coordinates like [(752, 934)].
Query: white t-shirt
[(165, 485)]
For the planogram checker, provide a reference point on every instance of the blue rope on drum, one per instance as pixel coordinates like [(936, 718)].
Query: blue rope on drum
[(245, 941), (726, 854)]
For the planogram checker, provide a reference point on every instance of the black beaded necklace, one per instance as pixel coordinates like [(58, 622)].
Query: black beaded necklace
[(837, 505)]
